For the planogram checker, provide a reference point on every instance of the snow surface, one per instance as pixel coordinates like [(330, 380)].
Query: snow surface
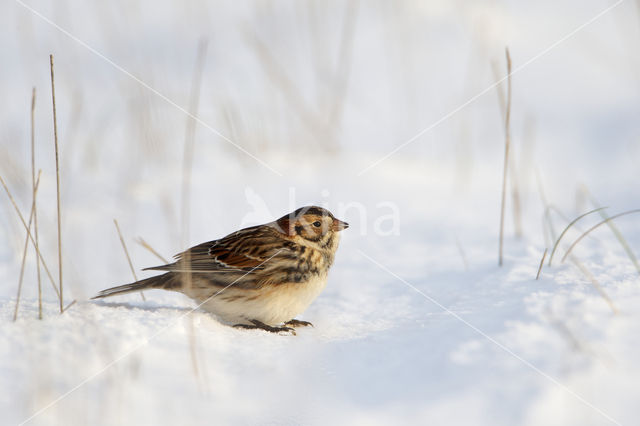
[(418, 324)]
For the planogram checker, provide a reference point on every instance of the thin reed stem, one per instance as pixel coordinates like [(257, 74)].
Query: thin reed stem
[(34, 190), (541, 263), (596, 226), (616, 232), (585, 271), (73, 302), (555, 246), (187, 165), (126, 253), (189, 140), (146, 245), (24, 223), (462, 254), (507, 143), (55, 137), (26, 246), (596, 285)]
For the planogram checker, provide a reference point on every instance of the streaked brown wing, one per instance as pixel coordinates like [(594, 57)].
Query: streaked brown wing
[(242, 251)]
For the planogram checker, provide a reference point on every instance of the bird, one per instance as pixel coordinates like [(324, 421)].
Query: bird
[(260, 277)]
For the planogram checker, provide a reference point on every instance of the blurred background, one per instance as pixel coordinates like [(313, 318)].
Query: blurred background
[(311, 96), (369, 108)]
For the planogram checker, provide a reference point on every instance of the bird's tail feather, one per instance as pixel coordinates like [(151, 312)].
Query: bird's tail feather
[(159, 281)]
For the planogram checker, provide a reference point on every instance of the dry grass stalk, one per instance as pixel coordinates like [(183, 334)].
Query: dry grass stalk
[(187, 165), (577, 343), (507, 125), (146, 245), (565, 332), (584, 234), (595, 284), (555, 245), (623, 242), (55, 136), (189, 141), (552, 208), (585, 271), (502, 103), (343, 66), (126, 253), (26, 246), (462, 254), (547, 232), (24, 223), (324, 122), (34, 190), (515, 199), (541, 263), (73, 302), (292, 94), (513, 171), (546, 218), (193, 346)]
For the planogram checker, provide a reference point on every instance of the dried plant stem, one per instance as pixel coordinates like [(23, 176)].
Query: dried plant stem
[(126, 253), (596, 284), (73, 302), (623, 242), (187, 165), (146, 245), (193, 346), (547, 232), (26, 246), (574, 260), (552, 208), (124, 248), (462, 254), (343, 67), (502, 103), (513, 175), (189, 140), (292, 94), (594, 227), (55, 137), (555, 246), (541, 263), (515, 199), (546, 219), (507, 125), (564, 331), (587, 273), (35, 209), (625, 245), (24, 223)]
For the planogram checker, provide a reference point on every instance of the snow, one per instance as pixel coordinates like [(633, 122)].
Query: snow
[(418, 324)]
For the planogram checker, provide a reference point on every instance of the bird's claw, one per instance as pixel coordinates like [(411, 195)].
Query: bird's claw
[(298, 323), (262, 326)]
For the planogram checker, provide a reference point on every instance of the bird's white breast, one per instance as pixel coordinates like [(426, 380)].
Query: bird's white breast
[(271, 305)]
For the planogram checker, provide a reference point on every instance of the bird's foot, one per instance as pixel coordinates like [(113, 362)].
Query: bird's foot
[(262, 326), (298, 323)]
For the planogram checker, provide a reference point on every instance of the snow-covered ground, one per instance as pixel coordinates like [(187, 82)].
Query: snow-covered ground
[(418, 324)]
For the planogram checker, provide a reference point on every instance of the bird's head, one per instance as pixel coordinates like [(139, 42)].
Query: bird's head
[(313, 226)]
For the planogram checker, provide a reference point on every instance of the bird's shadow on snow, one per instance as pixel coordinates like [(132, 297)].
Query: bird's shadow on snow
[(146, 307)]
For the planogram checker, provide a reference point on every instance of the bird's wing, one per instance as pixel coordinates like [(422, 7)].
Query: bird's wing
[(243, 251)]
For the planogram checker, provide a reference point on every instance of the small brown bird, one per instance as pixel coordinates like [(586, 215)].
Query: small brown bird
[(257, 277)]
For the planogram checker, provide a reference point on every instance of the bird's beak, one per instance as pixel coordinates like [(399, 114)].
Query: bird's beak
[(339, 225)]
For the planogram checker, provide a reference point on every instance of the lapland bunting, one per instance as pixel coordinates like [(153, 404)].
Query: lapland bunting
[(257, 277)]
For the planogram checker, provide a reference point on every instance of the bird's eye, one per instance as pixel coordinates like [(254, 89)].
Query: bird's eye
[(317, 224)]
